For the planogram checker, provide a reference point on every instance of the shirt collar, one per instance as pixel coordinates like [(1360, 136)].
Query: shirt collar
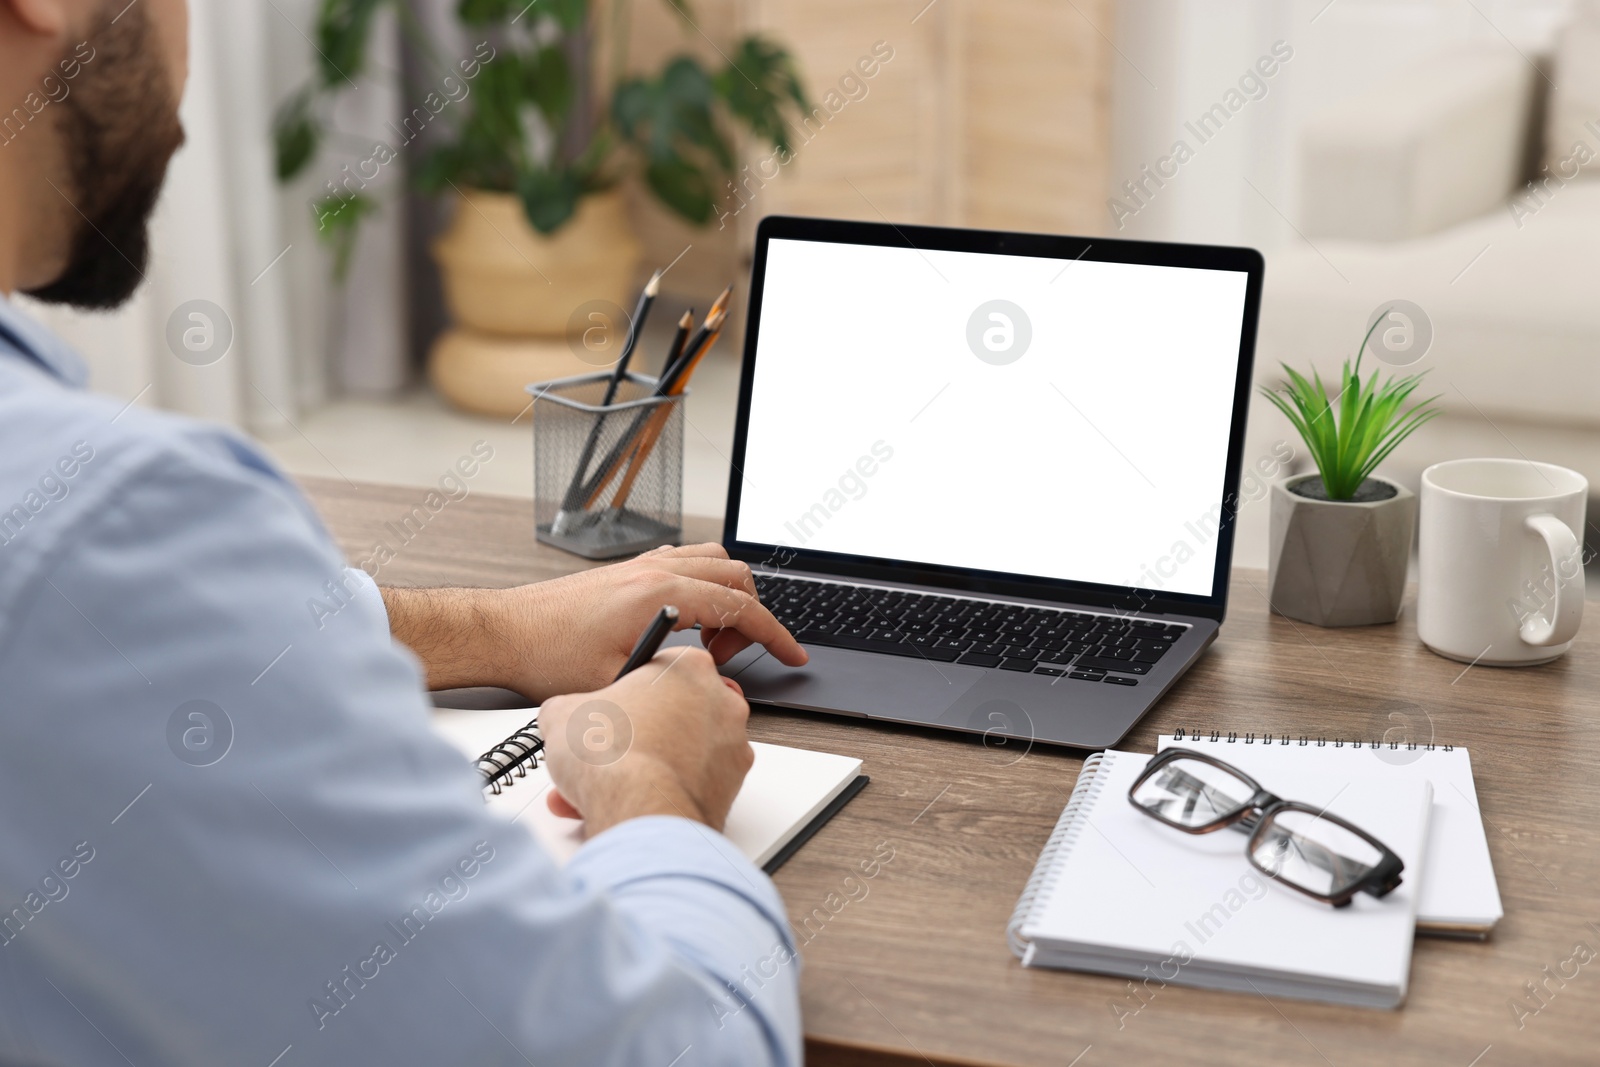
[(33, 342)]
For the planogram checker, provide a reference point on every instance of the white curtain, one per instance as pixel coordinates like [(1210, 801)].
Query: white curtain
[(227, 232)]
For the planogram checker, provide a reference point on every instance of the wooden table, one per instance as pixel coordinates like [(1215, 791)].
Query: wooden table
[(911, 966)]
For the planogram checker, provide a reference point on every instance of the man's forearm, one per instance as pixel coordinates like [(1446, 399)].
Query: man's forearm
[(455, 632)]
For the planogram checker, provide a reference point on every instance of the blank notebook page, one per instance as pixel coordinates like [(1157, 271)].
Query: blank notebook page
[(1129, 885), (785, 789), (1460, 890)]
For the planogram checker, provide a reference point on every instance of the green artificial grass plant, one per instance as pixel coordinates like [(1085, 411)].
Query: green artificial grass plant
[(1350, 434)]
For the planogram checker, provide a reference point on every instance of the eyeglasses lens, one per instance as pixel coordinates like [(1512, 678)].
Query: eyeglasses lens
[(1192, 793), (1311, 851)]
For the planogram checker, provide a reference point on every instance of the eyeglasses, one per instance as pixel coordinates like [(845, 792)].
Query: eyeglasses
[(1307, 849)]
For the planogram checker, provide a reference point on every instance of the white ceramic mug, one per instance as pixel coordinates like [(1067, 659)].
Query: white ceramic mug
[(1501, 556)]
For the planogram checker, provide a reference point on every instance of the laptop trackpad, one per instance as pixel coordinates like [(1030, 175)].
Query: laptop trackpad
[(856, 683)]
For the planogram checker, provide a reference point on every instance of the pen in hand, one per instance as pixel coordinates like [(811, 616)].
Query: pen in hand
[(650, 641)]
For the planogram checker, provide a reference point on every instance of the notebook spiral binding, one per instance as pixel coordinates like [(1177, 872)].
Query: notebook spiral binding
[(512, 758), (1061, 839), (1234, 738)]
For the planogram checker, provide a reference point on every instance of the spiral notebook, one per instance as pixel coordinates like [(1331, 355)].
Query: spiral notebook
[(1116, 892), (1460, 897), (787, 796)]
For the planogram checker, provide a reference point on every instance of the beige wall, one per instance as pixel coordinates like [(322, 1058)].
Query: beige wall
[(989, 113)]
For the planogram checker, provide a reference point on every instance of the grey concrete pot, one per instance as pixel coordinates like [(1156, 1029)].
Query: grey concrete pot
[(1338, 563)]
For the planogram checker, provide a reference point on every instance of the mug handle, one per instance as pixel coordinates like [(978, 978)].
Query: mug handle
[(1567, 609)]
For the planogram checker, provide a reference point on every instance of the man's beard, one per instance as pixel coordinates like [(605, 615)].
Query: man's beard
[(119, 128)]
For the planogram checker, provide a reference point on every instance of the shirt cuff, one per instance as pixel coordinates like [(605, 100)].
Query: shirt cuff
[(666, 846), (364, 591)]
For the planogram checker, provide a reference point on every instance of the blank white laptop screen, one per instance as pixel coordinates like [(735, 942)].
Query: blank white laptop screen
[(1054, 418)]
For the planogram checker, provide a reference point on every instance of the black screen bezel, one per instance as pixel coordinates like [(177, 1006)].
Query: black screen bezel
[(959, 579)]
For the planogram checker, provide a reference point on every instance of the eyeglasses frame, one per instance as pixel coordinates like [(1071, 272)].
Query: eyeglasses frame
[(1381, 880)]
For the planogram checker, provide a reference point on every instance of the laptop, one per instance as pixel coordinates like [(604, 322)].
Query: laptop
[(988, 479)]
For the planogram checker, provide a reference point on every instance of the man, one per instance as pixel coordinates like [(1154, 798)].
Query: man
[(228, 833)]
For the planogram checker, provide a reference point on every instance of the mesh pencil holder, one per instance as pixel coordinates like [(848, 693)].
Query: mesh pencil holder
[(607, 481)]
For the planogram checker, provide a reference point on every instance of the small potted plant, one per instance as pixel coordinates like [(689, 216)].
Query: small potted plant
[(1341, 538), (536, 148)]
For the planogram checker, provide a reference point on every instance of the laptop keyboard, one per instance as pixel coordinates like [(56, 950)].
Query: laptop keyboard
[(981, 633)]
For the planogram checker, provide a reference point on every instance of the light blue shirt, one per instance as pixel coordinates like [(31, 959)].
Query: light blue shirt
[(228, 834)]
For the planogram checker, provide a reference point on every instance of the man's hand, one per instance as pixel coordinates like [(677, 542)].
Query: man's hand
[(668, 739), (572, 634)]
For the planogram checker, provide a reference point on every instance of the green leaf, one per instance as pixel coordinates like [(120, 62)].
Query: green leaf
[(670, 118), (547, 80), (653, 109), (485, 12), (570, 15), (1410, 425), (343, 27), (1367, 338), (681, 110), (630, 106), (589, 168), (700, 129), (296, 135), (492, 138), (549, 198), (438, 168), (338, 221), (483, 163), (683, 187), (758, 84), (686, 83), (1348, 437)]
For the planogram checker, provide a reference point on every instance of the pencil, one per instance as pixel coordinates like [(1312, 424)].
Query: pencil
[(614, 459), (710, 330), (652, 432), (641, 312), (624, 446), (685, 324), (719, 308)]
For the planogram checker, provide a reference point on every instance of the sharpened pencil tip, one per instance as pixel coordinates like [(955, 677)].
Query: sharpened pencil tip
[(653, 286), (686, 322)]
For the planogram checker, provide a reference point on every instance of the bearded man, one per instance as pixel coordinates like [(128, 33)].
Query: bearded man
[(333, 890)]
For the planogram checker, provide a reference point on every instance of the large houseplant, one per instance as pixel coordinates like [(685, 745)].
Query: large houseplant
[(1341, 538), (536, 146)]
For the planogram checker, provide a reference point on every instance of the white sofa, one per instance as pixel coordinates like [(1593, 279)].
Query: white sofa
[(1416, 190)]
